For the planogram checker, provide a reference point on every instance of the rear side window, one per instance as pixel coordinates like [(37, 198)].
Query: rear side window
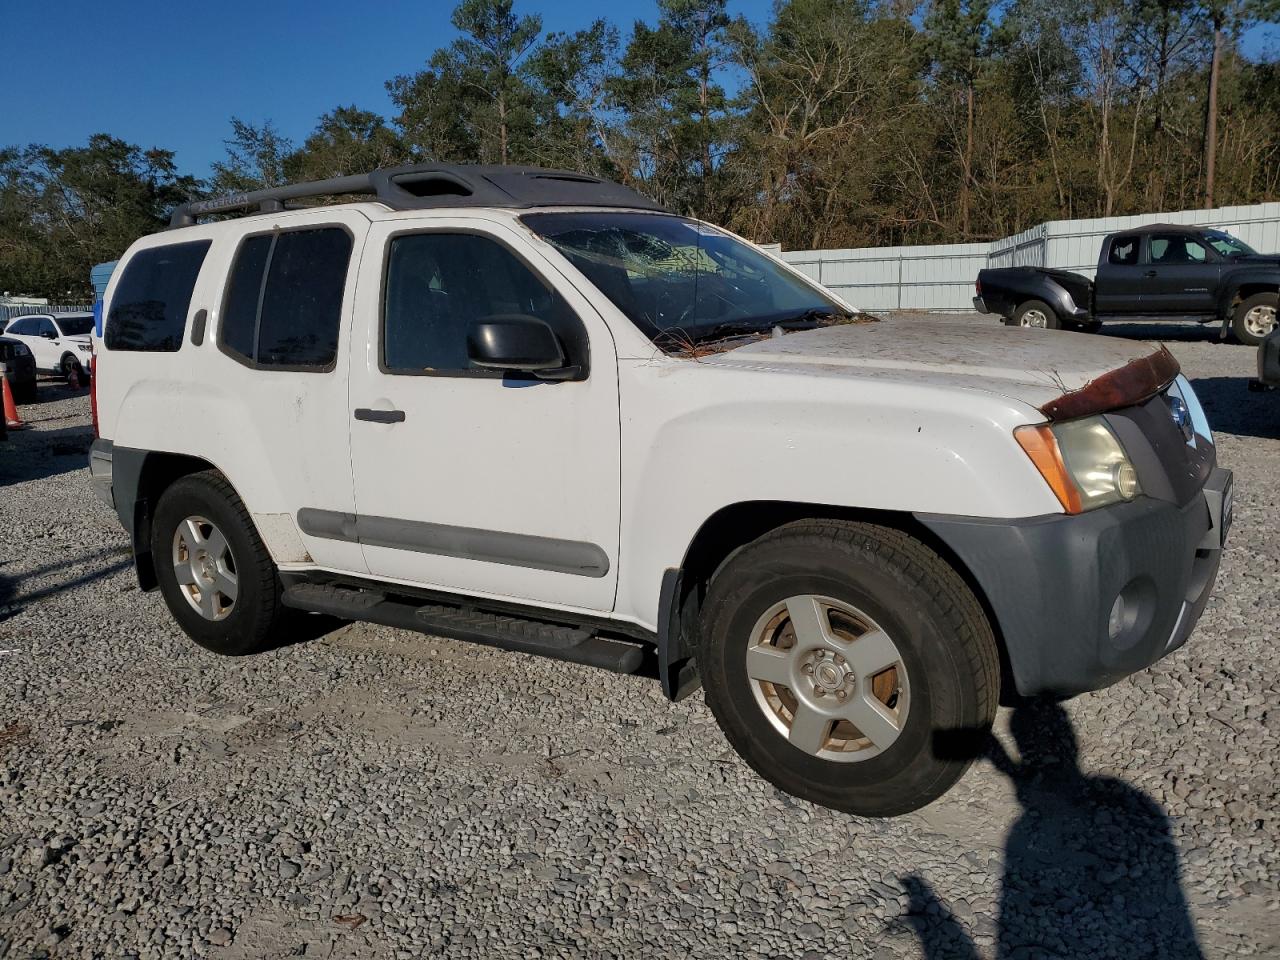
[(284, 299), (149, 306), (1124, 251)]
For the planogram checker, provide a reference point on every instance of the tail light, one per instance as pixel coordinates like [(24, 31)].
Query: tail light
[(93, 388), (977, 287)]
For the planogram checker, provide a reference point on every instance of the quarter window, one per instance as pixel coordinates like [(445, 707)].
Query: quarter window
[(149, 305), (438, 284), (284, 300), (1124, 251)]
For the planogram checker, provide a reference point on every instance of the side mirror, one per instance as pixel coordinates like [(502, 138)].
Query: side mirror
[(516, 341), (48, 335)]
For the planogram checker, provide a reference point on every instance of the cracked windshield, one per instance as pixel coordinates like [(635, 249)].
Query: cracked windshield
[(684, 283)]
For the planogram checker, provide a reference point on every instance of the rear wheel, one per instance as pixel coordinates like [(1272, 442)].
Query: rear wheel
[(1255, 318), (214, 571), (1035, 313), (849, 665)]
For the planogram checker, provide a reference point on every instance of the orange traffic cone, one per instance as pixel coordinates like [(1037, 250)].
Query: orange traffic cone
[(11, 418)]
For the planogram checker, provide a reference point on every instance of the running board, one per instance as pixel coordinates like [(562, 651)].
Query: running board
[(521, 634)]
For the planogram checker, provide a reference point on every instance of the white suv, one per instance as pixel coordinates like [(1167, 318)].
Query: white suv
[(531, 409), (61, 342)]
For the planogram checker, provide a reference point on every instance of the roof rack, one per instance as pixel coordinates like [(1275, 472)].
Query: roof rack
[(422, 186)]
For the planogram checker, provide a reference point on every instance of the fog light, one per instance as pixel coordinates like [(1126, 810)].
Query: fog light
[(1117, 621), (1126, 480)]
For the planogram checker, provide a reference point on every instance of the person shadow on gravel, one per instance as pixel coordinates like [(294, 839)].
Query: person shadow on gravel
[(1090, 866)]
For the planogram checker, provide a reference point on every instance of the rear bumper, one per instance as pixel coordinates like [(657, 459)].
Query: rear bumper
[(980, 305), (100, 454), (1053, 584)]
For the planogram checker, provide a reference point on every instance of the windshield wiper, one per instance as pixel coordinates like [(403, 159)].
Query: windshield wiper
[(809, 319)]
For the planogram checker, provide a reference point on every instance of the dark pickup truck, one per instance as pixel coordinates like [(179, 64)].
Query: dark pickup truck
[(1160, 272)]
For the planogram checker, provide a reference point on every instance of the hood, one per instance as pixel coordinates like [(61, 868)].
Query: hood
[(1050, 370), (1258, 259)]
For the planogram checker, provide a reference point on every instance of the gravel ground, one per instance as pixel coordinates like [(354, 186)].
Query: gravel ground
[(377, 793)]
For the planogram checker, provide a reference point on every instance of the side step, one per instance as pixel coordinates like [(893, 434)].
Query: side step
[(573, 644)]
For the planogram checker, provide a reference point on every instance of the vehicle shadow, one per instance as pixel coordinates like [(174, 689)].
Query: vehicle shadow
[(1233, 408), (39, 454), (1090, 865), (1178, 332), (101, 563)]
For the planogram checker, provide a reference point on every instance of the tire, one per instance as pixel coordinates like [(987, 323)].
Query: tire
[(70, 363), (1249, 320), (900, 588), (1031, 312), (244, 625)]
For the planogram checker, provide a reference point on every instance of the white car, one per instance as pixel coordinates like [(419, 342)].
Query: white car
[(60, 342), (531, 409)]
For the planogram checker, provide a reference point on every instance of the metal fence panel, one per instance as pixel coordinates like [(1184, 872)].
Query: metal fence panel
[(8, 312), (941, 276)]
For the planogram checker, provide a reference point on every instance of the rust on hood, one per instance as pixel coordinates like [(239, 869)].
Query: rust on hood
[(1136, 381)]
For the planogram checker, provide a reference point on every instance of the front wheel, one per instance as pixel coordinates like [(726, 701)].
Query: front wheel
[(849, 665), (215, 573), (1254, 318)]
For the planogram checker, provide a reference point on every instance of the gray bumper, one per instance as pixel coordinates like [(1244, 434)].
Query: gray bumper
[(1053, 582), (980, 305), (100, 471)]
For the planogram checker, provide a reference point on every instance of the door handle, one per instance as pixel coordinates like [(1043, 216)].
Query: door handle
[(379, 416), (1149, 274)]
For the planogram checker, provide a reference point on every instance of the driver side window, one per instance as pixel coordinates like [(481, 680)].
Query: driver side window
[(438, 284)]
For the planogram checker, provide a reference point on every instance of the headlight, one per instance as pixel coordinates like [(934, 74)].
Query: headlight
[(1082, 461), (21, 350), (87, 348)]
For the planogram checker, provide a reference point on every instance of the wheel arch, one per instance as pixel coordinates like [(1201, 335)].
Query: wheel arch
[(730, 529), (139, 478)]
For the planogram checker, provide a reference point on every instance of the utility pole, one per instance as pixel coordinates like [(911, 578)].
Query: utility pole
[(1211, 113)]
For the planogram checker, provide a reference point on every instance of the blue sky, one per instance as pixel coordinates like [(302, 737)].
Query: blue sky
[(157, 75)]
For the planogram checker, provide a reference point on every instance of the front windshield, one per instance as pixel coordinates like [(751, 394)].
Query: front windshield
[(1226, 244), (75, 326), (682, 280)]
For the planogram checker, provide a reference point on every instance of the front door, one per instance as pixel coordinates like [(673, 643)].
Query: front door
[(469, 480), (1182, 275)]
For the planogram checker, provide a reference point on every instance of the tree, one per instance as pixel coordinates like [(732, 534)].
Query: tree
[(673, 108), (347, 140), (256, 158), (62, 211), (480, 79), (959, 35)]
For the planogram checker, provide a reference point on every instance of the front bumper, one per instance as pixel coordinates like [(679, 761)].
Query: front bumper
[(1053, 582), (1268, 363)]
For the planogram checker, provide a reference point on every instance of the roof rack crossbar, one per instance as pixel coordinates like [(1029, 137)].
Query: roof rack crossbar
[(406, 188)]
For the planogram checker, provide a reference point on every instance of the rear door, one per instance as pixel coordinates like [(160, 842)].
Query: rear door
[(1182, 275), (466, 479), (1121, 282)]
